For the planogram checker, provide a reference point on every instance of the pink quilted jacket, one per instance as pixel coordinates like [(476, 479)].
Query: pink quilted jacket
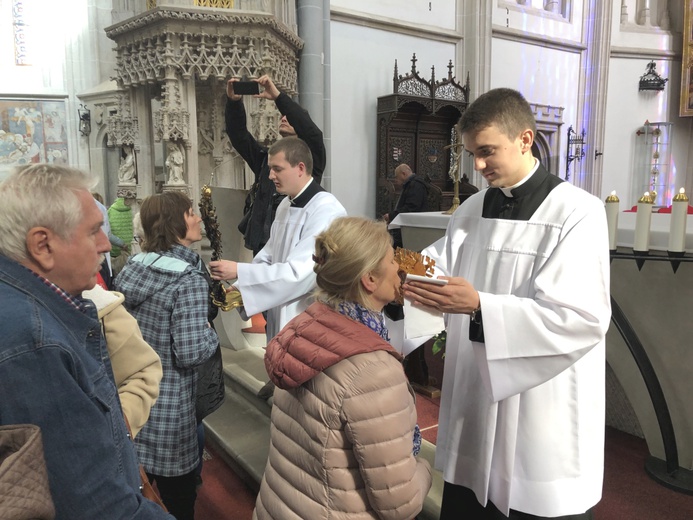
[(342, 425)]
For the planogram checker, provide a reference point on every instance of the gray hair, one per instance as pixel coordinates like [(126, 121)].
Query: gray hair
[(40, 195)]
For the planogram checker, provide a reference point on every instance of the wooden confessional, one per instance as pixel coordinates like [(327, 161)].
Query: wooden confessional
[(415, 126)]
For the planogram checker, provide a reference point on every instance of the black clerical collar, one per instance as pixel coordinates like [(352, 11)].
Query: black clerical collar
[(508, 192), (530, 184), (308, 192), (525, 199)]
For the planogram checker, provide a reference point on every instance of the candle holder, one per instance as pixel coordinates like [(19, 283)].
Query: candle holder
[(666, 472), (675, 258)]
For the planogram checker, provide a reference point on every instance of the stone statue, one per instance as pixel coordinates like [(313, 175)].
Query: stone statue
[(174, 164), (126, 171)]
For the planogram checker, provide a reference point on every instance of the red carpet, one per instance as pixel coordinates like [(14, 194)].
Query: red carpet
[(223, 495), (629, 494)]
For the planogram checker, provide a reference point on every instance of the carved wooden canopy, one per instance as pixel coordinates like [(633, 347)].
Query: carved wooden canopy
[(432, 94), (415, 125)]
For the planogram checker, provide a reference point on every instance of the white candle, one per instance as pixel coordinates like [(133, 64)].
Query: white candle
[(612, 218), (677, 230), (642, 223)]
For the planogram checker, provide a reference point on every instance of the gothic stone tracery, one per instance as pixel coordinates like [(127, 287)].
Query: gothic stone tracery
[(170, 46)]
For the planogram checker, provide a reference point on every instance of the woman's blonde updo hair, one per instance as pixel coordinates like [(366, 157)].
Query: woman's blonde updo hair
[(344, 252)]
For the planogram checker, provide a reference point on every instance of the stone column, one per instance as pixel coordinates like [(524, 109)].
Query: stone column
[(310, 69), (142, 109)]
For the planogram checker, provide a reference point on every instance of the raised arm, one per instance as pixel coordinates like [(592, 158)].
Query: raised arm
[(236, 128), (299, 118), (307, 130)]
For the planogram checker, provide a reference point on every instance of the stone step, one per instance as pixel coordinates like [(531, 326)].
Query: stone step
[(431, 507), (240, 434), (245, 375)]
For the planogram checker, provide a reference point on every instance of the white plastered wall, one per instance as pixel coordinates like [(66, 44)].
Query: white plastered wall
[(363, 61)]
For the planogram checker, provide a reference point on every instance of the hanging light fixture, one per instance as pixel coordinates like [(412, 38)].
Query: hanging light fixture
[(84, 120), (651, 80)]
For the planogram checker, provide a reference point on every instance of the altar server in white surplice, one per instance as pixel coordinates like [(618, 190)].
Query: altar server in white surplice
[(527, 308), (280, 279)]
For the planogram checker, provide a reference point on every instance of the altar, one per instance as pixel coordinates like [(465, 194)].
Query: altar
[(420, 230)]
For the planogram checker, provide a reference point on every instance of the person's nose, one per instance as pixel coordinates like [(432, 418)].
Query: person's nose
[(479, 164), (102, 243)]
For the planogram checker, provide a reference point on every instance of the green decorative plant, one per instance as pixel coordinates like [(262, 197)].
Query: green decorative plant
[(439, 343)]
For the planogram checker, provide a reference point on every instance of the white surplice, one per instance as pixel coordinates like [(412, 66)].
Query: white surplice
[(522, 414), (280, 279)]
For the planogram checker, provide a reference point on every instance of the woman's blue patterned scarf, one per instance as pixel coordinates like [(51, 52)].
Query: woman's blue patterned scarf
[(376, 322), (372, 319)]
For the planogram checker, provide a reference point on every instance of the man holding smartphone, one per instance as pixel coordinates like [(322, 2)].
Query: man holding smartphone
[(295, 121)]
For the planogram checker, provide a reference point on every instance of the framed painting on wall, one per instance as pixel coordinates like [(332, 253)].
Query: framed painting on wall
[(32, 131), (686, 106)]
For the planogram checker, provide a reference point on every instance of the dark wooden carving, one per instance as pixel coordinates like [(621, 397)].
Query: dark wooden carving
[(415, 124)]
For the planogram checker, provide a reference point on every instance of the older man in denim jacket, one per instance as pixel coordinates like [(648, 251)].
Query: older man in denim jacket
[(54, 366)]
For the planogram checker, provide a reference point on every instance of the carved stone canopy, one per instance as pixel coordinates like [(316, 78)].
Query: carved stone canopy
[(172, 50), (166, 42)]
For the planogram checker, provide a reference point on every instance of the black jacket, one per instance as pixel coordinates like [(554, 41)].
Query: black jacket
[(266, 199), (413, 197)]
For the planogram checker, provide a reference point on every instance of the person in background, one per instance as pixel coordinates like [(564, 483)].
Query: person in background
[(167, 293), (295, 122), (521, 431), (54, 366), (106, 268), (412, 199), (343, 439), (120, 220), (137, 234)]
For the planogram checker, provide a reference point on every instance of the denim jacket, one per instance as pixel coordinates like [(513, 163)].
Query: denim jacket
[(55, 373)]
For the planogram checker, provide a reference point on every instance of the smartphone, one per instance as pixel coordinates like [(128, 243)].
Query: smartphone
[(426, 279), (246, 88)]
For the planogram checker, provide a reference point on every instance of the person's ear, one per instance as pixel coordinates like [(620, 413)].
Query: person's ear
[(369, 282), (301, 168), (527, 138), (39, 244)]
